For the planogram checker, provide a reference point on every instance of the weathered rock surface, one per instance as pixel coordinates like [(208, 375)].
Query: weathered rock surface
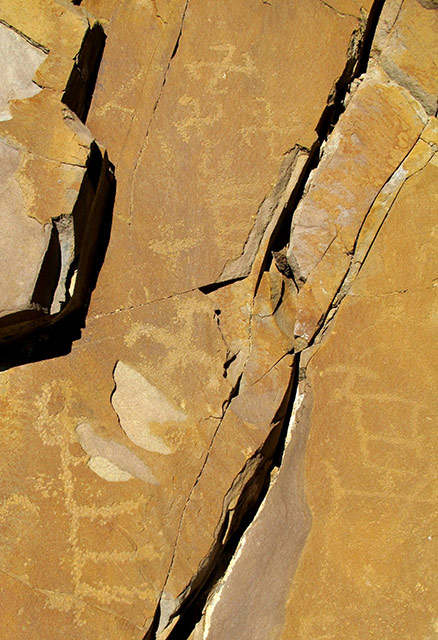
[(373, 499), (240, 417), (363, 253), (50, 177)]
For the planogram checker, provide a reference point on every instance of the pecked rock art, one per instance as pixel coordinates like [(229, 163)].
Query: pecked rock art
[(239, 403)]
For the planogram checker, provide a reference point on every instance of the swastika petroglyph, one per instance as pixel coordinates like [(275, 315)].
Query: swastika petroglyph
[(220, 68)]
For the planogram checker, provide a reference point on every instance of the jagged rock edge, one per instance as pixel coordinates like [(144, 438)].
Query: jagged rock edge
[(34, 43), (240, 506), (357, 60), (241, 267), (80, 86), (355, 264), (37, 334), (43, 336)]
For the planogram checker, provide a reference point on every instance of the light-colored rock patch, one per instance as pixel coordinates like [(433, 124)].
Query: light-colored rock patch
[(139, 406), (23, 241), (107, 470), (19, 60), (111, 460)]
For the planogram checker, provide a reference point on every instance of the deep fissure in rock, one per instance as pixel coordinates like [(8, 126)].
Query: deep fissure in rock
[(82, 81), (356, 65), (234, 521), (234, 526), (34, 334)]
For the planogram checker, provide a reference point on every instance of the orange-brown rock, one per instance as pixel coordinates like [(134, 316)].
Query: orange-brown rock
[(136, 459), (370, 462), (53, 180), (138, 426), (342, 545)]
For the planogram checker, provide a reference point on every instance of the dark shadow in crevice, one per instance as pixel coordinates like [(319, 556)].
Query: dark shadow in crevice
[(356, 65), (208, 288), (234, 522), (82, 81), (280, 236), (48, 277), (370, 32), (34, 334)]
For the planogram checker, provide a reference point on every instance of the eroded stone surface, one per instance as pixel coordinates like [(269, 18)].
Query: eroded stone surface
[(157, 433), (262, 551), (196, 137), (371, 280), (377, 131), (20, 263), (19, 61), (405, 44), (47, 181), (201, 142), (373, 498)]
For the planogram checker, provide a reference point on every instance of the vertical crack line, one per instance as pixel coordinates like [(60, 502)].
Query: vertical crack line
[(151, 633), (152, 58), (370, 31), (228, 536), (357, 61)]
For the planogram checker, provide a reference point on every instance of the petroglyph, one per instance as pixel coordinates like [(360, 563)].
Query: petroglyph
[(220, 69)]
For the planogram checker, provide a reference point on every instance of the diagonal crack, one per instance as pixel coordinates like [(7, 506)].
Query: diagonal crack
[(253, 480), (340, 13), (34, 43), (157, 621), (361, 251), (240, 506), (154, 110)]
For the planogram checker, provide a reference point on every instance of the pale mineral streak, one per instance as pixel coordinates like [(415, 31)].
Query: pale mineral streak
[(239, 442)]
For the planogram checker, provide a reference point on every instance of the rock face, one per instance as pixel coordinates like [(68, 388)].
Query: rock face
[(228, 440), (56, 184)]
